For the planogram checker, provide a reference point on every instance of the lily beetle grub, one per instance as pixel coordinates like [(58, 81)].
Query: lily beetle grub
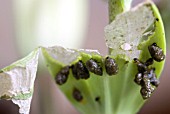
[(141, 66), (151, 73), (138, 78), (77, 95), (152, 76), (155, 81), (156, 52), (111, 66), (146, 77), (149, 62), (62, 75), (80, 71), (145, 94), (147, 84), (94, 67)]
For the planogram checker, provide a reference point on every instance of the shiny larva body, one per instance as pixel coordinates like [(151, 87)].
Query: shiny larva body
[(147, 83), (62, 75), (151, 73), (138, 78), (77, 95), (141, 66), (94, 67), (80, 71), (146, 77), (145, 94), (155, 81), (156, 52), (149, 62), (111, 66)]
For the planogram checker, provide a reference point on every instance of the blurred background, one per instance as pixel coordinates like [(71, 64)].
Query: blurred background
[(26, 24)]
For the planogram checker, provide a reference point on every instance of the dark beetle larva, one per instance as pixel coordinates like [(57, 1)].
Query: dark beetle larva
[(147, 84), (151, 73), (147, 88), (149, 62), (61, 78), (138, 78), (80, 71), (141, 66), (77, 95), (94, 67), (156, 52), (111, 66), (146, 77), (145, 94), (62, 75), (155, 81), (74, 71), (152, 76)]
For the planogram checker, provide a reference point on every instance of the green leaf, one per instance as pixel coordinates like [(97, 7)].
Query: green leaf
[(116, 94), (118, 6), (17, 81), (158, 37), (58, 57)]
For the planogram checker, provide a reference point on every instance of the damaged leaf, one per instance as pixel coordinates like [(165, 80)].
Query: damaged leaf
[(17, 81), (91, 87), (117, 83)]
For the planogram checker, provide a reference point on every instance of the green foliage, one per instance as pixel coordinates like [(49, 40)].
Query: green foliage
[(116, 94), (102, 93)]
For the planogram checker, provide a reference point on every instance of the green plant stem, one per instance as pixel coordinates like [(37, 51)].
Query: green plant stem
[(118, 6), (115, 8)]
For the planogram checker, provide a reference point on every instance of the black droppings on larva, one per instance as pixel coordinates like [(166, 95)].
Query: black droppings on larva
[(156, 52), (145, 94), (61, 78), (111, 66), (94, 67), (149, 62), (74, 71), (146, 89), (77, 95), (141, 66), (146, 83), (152, 76), (65, 70), (151, 73), (155, 81), (138, 78), (80, 71), (146, 77), (62, 75)]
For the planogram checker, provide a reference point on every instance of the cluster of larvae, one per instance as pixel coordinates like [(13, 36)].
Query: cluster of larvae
[(81, 70), (146, 77)]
